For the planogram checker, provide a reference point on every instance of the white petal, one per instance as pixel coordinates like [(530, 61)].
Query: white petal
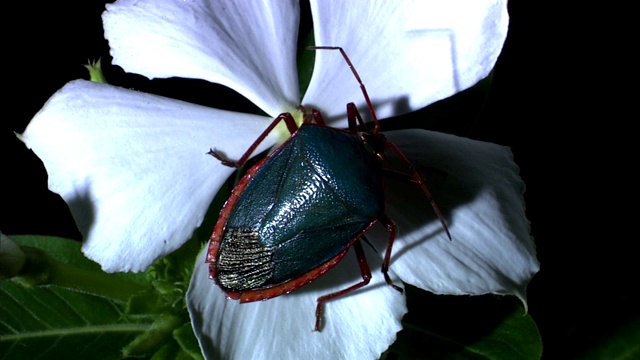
[(249, 46), (359, 326), (133, 167), (481, 197), (408, 53)]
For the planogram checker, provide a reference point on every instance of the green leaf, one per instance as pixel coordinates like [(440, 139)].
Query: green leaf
[(457, 327), (62, 305), (12, 258), (53, 322), (306, 62), (622, 344), (157, 335), (68, 252), (58, 261)]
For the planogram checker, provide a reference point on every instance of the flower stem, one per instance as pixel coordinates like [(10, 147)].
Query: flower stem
[(41, 269)]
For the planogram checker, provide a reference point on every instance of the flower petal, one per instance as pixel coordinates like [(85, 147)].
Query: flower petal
[(249, 46), (408, 53), (133, 167), (358, 326), (477, 187)]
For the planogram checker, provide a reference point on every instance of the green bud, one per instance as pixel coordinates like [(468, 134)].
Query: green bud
[(11, 257), (95, 71), (38, 268)]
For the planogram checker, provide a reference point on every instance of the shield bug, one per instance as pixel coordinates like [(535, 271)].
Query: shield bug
[(294, 215)]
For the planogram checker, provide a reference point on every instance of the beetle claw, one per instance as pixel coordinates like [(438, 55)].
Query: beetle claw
[(222, 159), (390, 283)]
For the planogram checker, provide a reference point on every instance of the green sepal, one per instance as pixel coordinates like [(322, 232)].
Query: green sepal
[(95, 71), (188, 342)]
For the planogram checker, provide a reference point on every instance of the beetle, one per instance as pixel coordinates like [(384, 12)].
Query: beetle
[(294, 214)]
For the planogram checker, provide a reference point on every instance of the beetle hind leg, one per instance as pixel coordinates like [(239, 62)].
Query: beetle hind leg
[(366, 277), (391, 227), (416, 178), (364, 270)]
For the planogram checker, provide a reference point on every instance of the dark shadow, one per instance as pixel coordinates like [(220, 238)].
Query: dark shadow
[(439, 326), (83, 210)]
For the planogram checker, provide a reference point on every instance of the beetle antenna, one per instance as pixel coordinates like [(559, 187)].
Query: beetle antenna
[(376, 129)]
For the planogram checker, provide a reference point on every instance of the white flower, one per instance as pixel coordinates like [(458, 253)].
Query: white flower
[(134, 171)]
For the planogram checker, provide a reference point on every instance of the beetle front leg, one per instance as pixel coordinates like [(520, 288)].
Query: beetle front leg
[(374, 118), (291, 126)]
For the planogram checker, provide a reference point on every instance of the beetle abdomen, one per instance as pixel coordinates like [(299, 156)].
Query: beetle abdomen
[(302, 207), (313, 247), (244, 262)]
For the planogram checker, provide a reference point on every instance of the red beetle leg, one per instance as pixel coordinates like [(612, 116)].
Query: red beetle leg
[(317, 117), (355, 120), (416, 179), (376, 129), (291, 126), (366, 277), (391, 227)]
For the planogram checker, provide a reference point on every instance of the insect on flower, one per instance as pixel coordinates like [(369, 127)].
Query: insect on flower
[(294, 215)]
